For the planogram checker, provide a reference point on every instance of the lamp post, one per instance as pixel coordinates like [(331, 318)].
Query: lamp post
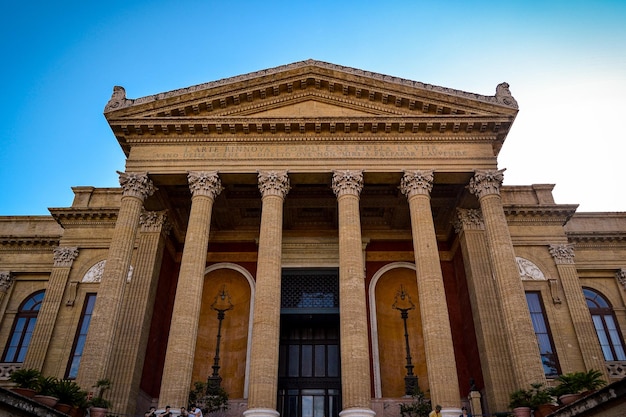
[(221, 304), (402, 302)]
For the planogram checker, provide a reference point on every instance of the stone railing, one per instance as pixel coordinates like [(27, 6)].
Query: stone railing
[(7, 368), (616, 369)]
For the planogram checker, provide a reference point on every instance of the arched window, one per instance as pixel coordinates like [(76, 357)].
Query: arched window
[(606, 326), (23, 327)]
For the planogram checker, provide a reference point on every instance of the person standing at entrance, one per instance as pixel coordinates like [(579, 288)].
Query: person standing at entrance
[(436, 412)]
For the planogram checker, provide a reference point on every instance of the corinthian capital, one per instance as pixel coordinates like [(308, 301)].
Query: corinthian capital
[(468, 219), (6, 280), (205, 183), (136, 184), (417, 182), (154, 221), (562, 254), (273, 183), (347, 182), (64, 255), (486, 182)]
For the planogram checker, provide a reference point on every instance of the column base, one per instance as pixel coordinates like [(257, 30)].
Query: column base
[(450, 412), (357, 412), (260, 412)]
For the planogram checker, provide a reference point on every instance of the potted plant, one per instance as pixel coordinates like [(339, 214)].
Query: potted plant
[(26, 380), (209, 397), (45, 391), (522, 401), (572, 385), (418, 407), (98, 405), (69, 394)]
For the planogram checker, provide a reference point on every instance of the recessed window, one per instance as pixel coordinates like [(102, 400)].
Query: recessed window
[(606, 326), (81, 336), (23, 327), (549, 359)]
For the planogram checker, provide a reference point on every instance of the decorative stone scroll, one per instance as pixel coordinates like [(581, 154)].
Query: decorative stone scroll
[(95, 273), (562, 254), (273, 183), (64, 256), (468, 219), (621, 277), (417, 182), (154, 221), (528, 270), (205, 183), (486, 182), (6, 280), (347, 182), (136, 184)]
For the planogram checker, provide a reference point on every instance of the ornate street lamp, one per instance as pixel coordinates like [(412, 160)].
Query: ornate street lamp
[(221, 304), (402, 302)]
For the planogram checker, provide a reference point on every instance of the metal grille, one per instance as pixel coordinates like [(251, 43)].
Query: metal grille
[(310, 288)]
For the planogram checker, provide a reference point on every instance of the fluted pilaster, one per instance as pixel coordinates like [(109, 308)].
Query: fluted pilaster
[(274, 186), (131, 340), (181, 344), (486, 311), (563, 255), (99, 344), (355, 366), (63, 258), (440, 359), (518, 329)]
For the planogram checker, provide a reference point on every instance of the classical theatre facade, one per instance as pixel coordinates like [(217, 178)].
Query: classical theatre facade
[(317, 240)]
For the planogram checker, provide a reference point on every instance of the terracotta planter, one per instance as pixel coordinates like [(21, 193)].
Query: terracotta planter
[(77, 412), (569, 398), (26, 392), (64, 408), (46, 400), (98, 412), (544, 409), (521, 412)]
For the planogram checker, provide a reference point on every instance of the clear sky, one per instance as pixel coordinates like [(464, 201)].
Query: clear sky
[(564, 60)]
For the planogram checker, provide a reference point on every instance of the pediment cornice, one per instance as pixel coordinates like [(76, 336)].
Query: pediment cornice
[(353, 87)]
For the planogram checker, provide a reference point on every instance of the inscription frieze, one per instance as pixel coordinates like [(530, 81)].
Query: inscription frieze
[(315, 151)]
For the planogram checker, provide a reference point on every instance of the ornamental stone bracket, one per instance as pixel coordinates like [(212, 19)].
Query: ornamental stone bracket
[(72, 291), (621, 277), (6, 280)]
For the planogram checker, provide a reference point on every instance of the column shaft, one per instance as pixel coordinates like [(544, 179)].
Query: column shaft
[(355, 358), (99, 344), (524, 356), (579, 312), (266, 322), (131, 340), (52, 301), (440, 359), (181, 343), (486, 311)]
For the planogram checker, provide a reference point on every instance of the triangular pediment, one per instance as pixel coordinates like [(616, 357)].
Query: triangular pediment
[(308, 87), (312, 97)]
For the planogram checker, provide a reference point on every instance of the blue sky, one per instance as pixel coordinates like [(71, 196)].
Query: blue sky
[(564, 60)]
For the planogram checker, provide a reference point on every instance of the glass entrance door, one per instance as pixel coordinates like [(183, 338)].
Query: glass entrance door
[(309, 382)]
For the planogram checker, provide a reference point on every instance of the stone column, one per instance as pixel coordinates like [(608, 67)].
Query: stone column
[(63, 258), (586, 335), (355, 357), (518, 329), (494, 354), (440, 361), (131, 340), (266, 322), (181, 343), (99, 344), (6, 280)]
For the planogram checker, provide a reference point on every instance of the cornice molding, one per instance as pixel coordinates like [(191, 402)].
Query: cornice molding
[(597, 240), (539, 214), (73, 217), (28, 243)]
